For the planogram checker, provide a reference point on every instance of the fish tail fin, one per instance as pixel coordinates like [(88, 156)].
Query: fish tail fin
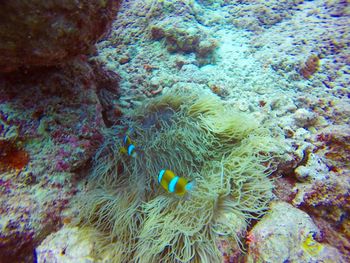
[(190, 186)]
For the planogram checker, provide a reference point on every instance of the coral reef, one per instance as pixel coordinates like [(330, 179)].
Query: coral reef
[(305, 39), (333, 143), (50, 115), (324, 191), (67, 246), (261, 47), (193, 133), (254, 57), (256, 15), (50, 125), (183, 37), (45, 34), (288, 234), (317, 181)]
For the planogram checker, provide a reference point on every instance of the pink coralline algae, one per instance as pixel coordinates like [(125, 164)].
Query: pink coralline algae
[(26, 220)]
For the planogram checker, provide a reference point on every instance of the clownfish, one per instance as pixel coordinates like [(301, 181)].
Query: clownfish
[(173, 183), (128, 146)]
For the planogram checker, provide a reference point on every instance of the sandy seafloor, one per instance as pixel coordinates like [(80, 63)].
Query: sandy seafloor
[(256, 56)]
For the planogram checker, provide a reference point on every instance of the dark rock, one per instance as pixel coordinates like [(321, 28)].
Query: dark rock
[(46, 33)]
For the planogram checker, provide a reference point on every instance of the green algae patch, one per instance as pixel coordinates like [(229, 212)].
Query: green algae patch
[(195, 134)]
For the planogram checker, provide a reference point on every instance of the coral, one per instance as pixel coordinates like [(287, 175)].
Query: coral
[(50, 122), (186, 38), (57, 107), (313, 169), (67, 245), (329, 200), (315, 30), (192, 132), (41, 33), (288, 234), (333, 142), (27, 217), (218, 90), (328, 203), (325, 187), (312, 64), (230, 250), (256, 16), (304, 118)]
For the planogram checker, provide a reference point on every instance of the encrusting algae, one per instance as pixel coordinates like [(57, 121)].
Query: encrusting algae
[(312, 247), (229, 155)]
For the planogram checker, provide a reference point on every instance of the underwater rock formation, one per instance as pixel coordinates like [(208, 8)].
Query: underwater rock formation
[(50, 114), (50, 126), (316, 53), (328, 202), (334, 143), (68, 246), (256, 15), (228, 154), (286, 234), (180, 36), (41, 33), (317, 179), (325, 186)]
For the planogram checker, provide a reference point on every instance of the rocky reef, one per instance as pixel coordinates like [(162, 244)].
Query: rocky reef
[(294, 229), (49, 33), (50, 129), (50, 114)]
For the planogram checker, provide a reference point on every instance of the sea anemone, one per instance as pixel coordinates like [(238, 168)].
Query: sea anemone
[(196, 135)]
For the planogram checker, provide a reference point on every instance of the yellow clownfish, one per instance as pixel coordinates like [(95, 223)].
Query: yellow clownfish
[(128, 146), (173, 183)]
